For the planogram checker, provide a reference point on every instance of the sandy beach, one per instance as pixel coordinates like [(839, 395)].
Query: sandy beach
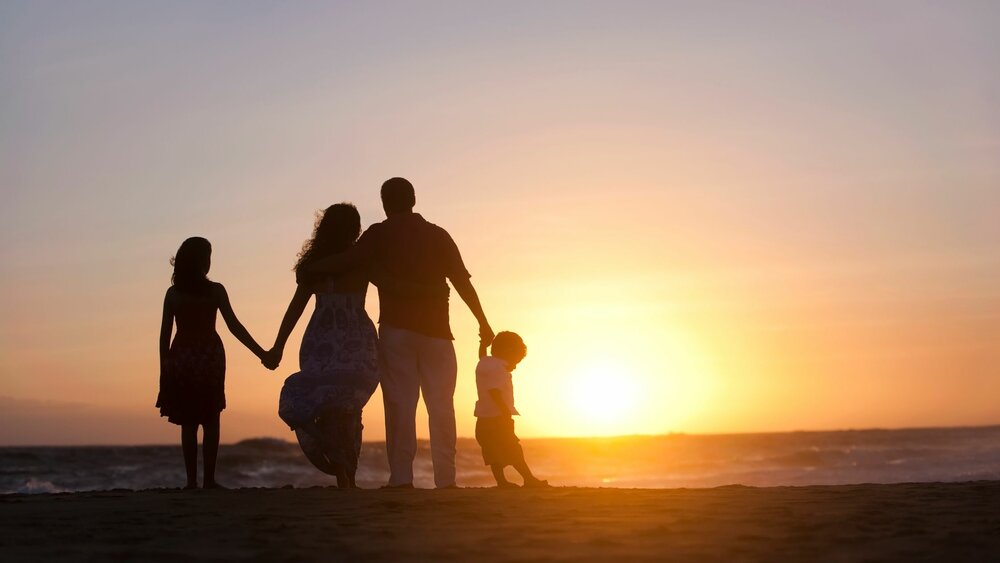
[(924, 521)]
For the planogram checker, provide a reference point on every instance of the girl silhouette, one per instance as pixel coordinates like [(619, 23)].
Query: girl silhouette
[(193, 367)]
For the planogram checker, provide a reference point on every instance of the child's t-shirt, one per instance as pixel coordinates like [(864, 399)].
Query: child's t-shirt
[(491, 373)]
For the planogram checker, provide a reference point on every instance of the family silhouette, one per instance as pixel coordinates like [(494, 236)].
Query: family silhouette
[(342, 358)]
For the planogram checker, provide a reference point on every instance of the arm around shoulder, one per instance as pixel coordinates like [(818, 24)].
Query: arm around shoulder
[(354, 256)]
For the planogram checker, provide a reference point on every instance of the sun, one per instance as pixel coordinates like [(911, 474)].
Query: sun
[(625, 383), (605, 398)]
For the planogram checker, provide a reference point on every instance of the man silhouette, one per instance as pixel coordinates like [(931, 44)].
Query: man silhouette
[(415, 340)]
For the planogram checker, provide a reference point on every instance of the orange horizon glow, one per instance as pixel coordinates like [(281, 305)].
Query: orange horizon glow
[(700, 220)]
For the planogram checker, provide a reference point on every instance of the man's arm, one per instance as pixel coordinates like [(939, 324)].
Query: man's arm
[(459, 277), (357, 254), (463, 286), (338, 263)]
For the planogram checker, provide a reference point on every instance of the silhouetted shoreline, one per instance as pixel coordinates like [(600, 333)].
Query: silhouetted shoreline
[(668, 461)]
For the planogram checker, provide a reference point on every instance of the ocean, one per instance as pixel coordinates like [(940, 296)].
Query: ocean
[(675, 460)]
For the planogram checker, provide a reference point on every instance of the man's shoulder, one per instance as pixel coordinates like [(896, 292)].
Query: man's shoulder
[(375, 227), (418, 221), (373, 232), (415, 228), (437, 232)]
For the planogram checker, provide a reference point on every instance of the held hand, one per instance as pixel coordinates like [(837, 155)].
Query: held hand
[(486, 335), (271, 359)]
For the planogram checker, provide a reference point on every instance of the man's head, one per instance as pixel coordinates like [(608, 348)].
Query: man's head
[(509, 347), (398, 196)]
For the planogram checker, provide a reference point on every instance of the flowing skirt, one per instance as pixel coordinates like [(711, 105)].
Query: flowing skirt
[(339, 365), (324, 410)]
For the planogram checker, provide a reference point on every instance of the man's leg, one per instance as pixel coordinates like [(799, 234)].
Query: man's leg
[(438, 372), (400, 392)]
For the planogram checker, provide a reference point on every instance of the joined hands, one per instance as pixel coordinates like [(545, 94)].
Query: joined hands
[(486, 337), (271, 358), (486, 334)]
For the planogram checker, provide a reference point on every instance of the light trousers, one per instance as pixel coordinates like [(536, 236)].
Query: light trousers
[(414, 364)]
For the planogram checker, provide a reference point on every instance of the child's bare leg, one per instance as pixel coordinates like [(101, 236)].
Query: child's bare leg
[(189, 445), (529, 480), (501, 479), (210, 449)]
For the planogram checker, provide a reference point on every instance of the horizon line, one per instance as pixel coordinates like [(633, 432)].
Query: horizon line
[(562, 438)]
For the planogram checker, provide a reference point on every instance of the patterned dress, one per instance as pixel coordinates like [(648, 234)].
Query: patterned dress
[(193, 381), (339, 372)]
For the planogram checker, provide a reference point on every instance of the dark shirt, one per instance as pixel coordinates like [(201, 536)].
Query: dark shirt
[(411, 250)]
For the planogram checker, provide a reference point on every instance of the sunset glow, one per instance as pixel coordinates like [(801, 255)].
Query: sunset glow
[(700, 220), (605, 398)]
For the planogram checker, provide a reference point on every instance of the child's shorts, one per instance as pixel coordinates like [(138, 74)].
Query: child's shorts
[(496, 437)]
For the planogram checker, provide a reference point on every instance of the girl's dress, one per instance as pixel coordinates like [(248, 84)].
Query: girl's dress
[(192, 384), (339, 371)]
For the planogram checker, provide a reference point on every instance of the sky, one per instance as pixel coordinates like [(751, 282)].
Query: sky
[(702, 217)]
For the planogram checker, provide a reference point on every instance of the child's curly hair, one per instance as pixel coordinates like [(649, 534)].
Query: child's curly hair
[(509, 345)]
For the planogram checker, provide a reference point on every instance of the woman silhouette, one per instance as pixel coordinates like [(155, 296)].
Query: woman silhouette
[(338, 359)]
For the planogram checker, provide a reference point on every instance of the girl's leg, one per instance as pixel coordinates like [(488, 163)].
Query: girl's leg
[(210, 449), (189, 445)]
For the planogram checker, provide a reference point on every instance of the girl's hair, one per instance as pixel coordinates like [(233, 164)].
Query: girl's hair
[(191, 264), (336, 230)]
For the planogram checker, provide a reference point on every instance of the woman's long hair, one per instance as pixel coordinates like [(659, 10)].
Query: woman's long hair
[(336, 230), (191, 265)]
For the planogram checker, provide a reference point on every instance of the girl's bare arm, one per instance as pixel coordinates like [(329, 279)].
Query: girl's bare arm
[(166, 326), (234, 324)]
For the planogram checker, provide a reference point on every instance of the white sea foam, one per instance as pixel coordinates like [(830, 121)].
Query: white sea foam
[(35, 486)]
